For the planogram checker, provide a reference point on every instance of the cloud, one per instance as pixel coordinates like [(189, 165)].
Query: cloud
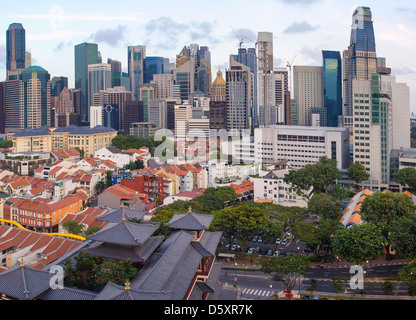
[(314, 53), (61, 45), (244, 34), (165, 33), (403, 70), (137, 17), (300, 27), (110, 36)]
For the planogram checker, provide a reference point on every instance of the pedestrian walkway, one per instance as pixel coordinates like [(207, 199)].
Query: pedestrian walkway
[(257, 292)]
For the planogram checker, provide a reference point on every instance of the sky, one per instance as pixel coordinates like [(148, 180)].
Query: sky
[(301, 30)]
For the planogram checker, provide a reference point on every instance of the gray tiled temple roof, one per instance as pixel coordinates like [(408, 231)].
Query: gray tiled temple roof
[(117, 215), (191, 221), (24, 282), (125, 233), (67, 294), (113, 291), (135, 254)]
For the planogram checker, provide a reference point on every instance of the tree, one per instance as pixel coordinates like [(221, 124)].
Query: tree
[(357, 173), (383, 209), (240, 222), (403, 236), (407, 274), (288, 268), (101, 186), (387, 287), (318, 176), (406, 176), (6, 144), (337, 285), (358, 243), (325, 206), (72, 227)]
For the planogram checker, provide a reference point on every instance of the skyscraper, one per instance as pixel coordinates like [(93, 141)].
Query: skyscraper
[(116, 72), (265, 80), (308, 91), (37, 97), (332, 77), (239, 97), (99, 78), (152, 66), (360, 60), (85, 54), (15, 50), (135, 58)]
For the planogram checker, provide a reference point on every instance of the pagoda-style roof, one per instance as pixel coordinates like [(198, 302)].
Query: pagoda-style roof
[(24, 282), (134, 254), (191, 221), (125, 233), (113, 291), (117, 215)]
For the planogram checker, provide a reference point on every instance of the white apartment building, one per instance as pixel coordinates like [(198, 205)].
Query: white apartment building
[(272, 187), (301, 145)]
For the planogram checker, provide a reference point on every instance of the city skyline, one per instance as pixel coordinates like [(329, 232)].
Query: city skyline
[(53, 30)]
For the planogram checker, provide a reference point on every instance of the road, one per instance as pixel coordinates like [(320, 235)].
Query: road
[(255, 284)]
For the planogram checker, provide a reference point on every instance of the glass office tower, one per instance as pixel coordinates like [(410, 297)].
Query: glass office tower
[(332, 74), (15, 48), (85, 54), (153, 65)]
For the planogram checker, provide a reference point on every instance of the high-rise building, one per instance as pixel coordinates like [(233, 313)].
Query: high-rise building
[(265, 80), (99, 78), (85, 55), (372, 125), (2, 107), (308, 91), (14, 106), (158, 112), (239, 97), (218, 88), (281, 86), (15, 50), (147, 92), (164, 85), (116, 72), (360, 60), (37, 97), (332, 77), (136, 57), (58, 84), (152, 66), (184, 77)]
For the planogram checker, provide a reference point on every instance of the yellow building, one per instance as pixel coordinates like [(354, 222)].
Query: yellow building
[(87, 139), (36, 140)]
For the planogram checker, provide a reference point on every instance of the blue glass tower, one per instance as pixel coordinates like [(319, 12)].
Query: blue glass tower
[(15, 48), (332, 74), (153, 65)]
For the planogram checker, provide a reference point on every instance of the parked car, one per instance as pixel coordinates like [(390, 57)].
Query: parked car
[(278, 241), (263, 251), (235, 247), (251, 251), (259, 240), (277, 253), (284, 242), (227, 246), (265, 241), (307, 249), (315, 298), (254, 239), (270, 252)]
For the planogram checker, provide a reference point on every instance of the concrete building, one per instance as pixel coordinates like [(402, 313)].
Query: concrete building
[(271, 186), (301, 145), (308, 91)]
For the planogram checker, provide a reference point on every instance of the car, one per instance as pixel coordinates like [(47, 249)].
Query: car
[(249, 238), (270, 252), (254, 239), (273, 240), (307, 249), (315, 298), (305, 298), (235, 247), (284, 242), (265, 241), (263, 251), (227, 247), (259, 240), (251, 251), (277, 253), (278, 241), (282, 254)]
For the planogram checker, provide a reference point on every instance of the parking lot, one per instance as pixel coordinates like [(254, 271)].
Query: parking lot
[(269, 245)]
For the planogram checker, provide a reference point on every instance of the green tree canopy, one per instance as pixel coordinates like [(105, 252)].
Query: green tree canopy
[(358, 243), (288, 268), (325, 206), (318, 176), (406, 176), (72, 227), (403, 236), (357, 173)]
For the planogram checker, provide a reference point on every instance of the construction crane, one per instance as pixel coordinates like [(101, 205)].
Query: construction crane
[(241, 40)]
